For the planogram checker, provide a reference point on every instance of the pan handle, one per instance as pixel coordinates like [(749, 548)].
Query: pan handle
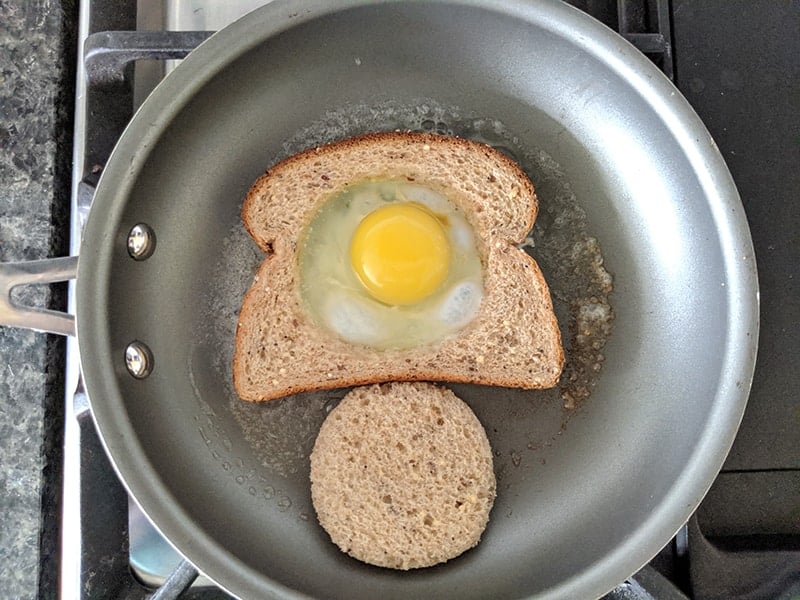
[(49, 270)]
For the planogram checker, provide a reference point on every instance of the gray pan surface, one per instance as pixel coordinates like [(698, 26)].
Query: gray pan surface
[(585, 497)]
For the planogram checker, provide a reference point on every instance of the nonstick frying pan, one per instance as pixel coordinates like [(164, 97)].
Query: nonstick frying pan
[(585, 496)]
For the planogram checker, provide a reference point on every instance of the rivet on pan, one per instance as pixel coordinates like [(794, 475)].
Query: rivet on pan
[(141, 241), (138, 359)]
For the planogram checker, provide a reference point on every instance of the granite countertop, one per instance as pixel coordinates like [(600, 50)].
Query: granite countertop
[(37, 75)]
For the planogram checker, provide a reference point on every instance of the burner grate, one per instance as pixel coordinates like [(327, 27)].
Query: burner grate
[(646, 24)]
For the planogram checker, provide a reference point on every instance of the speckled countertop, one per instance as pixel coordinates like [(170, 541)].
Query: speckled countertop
[(37, 54)]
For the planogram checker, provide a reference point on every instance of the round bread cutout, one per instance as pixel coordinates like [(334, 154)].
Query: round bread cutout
[(402, 476)]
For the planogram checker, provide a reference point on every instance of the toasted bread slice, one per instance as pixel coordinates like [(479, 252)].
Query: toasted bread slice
[(401, 475), (513, 341)]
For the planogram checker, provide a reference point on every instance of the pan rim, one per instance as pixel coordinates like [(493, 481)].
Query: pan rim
[(223, 48)]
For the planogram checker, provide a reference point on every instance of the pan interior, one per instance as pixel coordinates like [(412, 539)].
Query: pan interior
[(227, 481)]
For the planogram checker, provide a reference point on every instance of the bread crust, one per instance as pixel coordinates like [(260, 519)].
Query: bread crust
[(514, 341)]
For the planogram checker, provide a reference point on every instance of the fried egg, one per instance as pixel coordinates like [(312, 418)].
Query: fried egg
[(390, 264)]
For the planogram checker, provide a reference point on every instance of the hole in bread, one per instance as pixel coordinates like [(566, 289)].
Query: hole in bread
[(387, 499), (459, 503), (428, 520), (400, 446), (440, 421), (365, 402)]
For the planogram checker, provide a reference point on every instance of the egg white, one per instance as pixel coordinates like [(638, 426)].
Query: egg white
[(336, 299)]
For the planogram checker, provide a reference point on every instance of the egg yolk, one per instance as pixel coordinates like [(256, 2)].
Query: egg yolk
[(400, 253)]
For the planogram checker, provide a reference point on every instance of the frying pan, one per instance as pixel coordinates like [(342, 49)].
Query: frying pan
[(586, 496)]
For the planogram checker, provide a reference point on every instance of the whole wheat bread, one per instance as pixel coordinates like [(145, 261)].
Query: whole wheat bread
[(401, 475), (514, 339)]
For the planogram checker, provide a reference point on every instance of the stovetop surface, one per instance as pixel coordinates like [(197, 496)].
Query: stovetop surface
[(735, 63), (744, 81)]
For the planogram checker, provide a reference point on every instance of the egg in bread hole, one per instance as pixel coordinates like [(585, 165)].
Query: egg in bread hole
[(390, 264)]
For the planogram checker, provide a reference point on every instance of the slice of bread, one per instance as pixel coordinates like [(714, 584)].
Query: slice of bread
[(514, 339), (401, 475)]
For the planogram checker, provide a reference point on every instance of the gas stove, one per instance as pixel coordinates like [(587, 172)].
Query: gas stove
[(737, 67)]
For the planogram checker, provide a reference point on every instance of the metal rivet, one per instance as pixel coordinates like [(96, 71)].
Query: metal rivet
[(138, 359), (141, 241)]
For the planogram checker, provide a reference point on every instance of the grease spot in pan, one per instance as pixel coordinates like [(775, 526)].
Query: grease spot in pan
[(561, 242), (240, 467), (281, 433)]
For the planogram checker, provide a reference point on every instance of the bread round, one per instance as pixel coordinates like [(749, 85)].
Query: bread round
[(402, 476)]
